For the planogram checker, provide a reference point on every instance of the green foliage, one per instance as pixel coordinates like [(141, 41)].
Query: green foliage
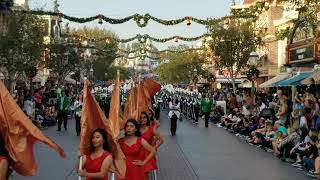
[(180, 68), (252, 11), (23, 44), (64, 58), (233, 46), (5, 5), (112, 72), (282, 34), (308, 14), (252, 73)]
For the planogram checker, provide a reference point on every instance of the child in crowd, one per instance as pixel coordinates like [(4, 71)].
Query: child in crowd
[(311, 153), (300, 148), (281, 134)]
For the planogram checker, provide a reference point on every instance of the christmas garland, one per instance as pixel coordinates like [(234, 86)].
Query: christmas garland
[(284, 33), (141, 57), (252, 11), (142, 38), (142, 20), (81, 20), (144, 51)]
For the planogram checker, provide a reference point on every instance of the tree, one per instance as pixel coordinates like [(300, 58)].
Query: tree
[(180, 68), (22, 46), (64, 58), (105, 52), (6, 5), (112, 72), (232, 46)]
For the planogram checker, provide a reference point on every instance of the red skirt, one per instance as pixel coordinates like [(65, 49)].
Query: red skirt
[(151, 164)]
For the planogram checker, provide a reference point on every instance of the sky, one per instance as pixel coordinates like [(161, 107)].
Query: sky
[(164, 9)]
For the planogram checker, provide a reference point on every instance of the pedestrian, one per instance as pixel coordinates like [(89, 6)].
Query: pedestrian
[(62, 106), (156, 107), (96, 164), (196, 110), (131, 145), (4, 161), (152, 136), (206, 106), (78, 109), (174, 114)]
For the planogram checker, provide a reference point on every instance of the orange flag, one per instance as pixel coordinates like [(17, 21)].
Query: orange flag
[(20, 134), (93, 118), (114, 113), (138, 101), (130, 108), (152, 86)]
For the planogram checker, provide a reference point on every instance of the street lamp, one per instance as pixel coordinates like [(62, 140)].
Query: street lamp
[(195, 71), (253, 62), (91, 73), (253, 59)]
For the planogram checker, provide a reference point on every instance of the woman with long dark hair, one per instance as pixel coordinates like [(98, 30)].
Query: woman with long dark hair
[(150, 134), (132, 144), (96, 165), (153, 121), (4, 161)]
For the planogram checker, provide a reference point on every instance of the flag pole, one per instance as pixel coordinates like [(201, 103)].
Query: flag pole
[(80, 167)]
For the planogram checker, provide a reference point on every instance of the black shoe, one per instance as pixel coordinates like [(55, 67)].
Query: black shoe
[(59, 130)]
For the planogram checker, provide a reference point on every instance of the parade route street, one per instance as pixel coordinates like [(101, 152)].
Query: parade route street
[(195, 153)]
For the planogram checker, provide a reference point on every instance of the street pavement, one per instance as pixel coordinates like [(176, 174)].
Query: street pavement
[(215, 154), (195, 153)]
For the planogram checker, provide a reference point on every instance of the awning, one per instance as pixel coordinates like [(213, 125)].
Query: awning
[(315, 76), (274, 80), (69, 80), (293, 81), (226, 80), (245, 84)]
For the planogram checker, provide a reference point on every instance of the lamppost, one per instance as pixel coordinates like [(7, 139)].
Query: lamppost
[(253, 63), (91, 73), (195, 72)]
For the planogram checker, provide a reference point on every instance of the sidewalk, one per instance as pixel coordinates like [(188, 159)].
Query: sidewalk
[(173, 164)]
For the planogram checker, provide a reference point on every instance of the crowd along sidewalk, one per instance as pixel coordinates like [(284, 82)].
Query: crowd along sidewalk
[(213, 153)]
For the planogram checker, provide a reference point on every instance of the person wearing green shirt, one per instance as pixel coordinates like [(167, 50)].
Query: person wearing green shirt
[(206, 107), (63, 106)]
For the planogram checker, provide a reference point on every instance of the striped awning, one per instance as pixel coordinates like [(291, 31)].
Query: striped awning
[(293, 81), (226, 80), (274, 80), (315, 76)]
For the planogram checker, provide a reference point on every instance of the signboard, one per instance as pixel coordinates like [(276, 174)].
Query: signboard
[(301, 54)]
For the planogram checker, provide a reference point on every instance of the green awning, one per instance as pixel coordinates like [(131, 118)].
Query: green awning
[(293, 81)]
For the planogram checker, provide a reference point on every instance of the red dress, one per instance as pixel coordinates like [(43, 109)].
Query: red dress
[(152, 164), (3, 158), (132, 153), (94, 165)]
